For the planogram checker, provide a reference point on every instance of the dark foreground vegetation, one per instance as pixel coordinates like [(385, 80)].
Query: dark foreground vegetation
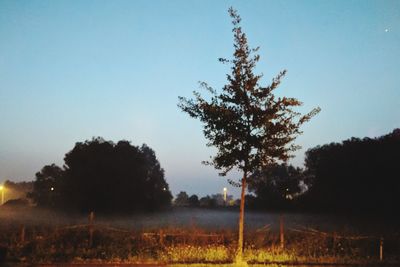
[(35, 236)]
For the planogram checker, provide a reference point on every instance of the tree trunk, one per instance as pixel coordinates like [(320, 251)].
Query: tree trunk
[(239, 252)]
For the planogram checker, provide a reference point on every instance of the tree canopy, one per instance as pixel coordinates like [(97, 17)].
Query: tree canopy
[(99, 175), (47, 180), (246, 122), (182, 199), (277, 186), (356, 175)]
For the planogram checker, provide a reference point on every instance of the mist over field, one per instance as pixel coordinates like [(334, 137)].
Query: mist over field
[(209, 219), (194, 235)]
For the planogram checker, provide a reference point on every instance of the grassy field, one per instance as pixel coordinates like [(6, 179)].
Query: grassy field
[(47, 237)]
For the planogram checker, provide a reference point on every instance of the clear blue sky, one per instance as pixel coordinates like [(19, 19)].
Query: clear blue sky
[(71, 70)]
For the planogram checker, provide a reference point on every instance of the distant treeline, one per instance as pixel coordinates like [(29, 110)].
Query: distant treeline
[(182, 199), (356, 175)]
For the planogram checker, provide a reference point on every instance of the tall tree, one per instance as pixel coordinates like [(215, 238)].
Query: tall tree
[(248, 125)]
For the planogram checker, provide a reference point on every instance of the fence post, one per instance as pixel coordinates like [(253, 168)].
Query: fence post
[(91, 228), (282, 237), (334, 243), (56, 232), (381, 249), (22, 235), (161, 236)]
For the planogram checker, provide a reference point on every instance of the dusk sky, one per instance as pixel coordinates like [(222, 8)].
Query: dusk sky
[(73, 70)]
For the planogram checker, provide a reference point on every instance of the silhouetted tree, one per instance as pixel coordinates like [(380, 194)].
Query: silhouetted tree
[(182, 199), (276, 186), (219, 199), (248, 125), (102, 176), (208, 202), (46, 188), (356, 175), (193, 201), (251, 201)]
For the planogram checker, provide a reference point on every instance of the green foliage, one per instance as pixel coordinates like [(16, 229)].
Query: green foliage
[(248, 125), (190, 253)]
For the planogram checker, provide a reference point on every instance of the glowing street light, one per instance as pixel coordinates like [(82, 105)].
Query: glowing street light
[(2, 189), (225, 192)]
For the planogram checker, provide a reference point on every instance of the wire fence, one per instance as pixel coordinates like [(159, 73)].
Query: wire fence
[(98, 240)]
